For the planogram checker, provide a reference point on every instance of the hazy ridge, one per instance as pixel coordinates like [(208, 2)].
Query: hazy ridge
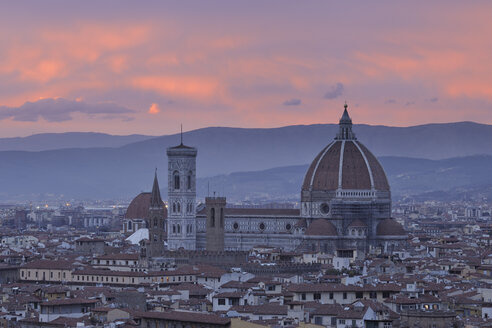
[(122, 171)]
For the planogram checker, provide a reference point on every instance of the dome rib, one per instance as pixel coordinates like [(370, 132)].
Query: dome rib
[(319, 161), (340, 166), (355, 175), (380, 179), (367, 164)]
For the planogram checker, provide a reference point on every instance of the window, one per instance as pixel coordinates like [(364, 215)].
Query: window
[(333, 321), (387, 324), (331, 295), (221, 301), (344, 295), (318, 320), (212, 217), (303, 296), (341, 321), (386, 294), (176, 180), (359, 294), (189, 180), (221, 217), (317, 296)]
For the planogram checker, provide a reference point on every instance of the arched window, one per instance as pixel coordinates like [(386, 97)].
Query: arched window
[(176, 179), (155, 223), (179, 207), (221, 217), (179, 228), (174, 228), (174, 207), (212, 217), (188, 180), (129, 224)]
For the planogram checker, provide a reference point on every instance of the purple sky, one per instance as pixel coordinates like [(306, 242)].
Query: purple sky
[(146, 67)]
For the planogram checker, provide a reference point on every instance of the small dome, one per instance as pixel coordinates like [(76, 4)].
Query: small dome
[(321, 227), (139, 207), (357, 224), (390, 227)]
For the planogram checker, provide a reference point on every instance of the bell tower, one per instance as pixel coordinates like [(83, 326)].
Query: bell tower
[(156, 222), (215, 207), (181, 229)]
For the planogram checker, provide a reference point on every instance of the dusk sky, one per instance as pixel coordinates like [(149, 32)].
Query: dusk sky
[(146, 67)]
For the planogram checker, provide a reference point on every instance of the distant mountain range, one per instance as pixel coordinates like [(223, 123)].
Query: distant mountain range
[(52, 141), (422, 179), (94, 166)]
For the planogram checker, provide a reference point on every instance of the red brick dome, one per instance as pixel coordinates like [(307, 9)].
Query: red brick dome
[(345, 165), (321, 227), (139, 207)]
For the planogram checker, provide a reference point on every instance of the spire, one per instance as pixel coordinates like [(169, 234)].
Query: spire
[(345, 126), (155, 200)]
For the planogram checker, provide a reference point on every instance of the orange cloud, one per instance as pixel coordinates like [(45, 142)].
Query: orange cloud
[(89, 41), (154, 109), (185, 86), (44, 71)]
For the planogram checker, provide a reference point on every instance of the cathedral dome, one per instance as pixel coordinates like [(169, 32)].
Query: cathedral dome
[(139, 207), (390, 227), (321, 227), (345, 164)]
